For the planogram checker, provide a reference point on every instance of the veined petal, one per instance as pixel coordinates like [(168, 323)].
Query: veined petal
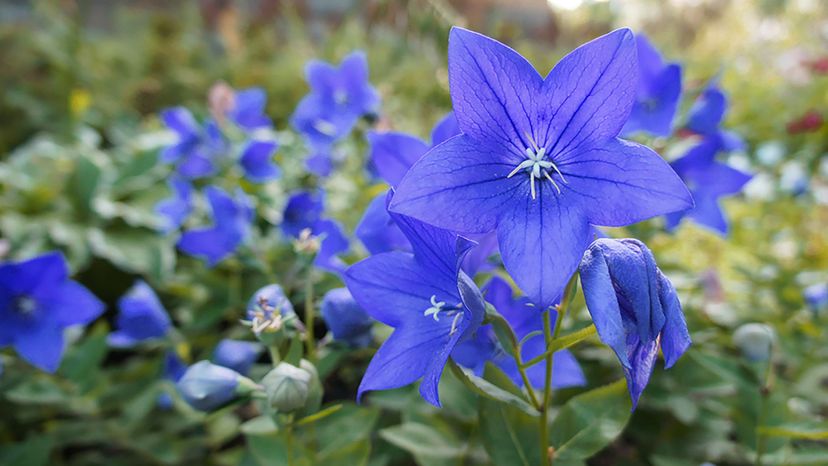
[(589, 94), (541, 242), (393, 153), (460, 185), (434, 248), (642, 357), (494, 91), (675, 338), (622, 182)]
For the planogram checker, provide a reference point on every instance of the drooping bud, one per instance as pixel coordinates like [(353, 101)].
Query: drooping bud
[(287, 387), (754, 341)]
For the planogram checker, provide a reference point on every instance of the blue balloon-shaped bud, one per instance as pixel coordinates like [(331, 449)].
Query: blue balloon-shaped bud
[(207, 386), (754, 341), (348, 322)]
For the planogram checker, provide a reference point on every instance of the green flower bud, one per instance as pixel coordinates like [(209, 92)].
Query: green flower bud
[(287, 387)]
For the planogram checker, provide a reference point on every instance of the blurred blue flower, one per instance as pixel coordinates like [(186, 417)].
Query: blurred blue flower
[(269, 309), (174, 369), (206, 386), (238, 355), (429, 301), (141, 317), (377, 230), (659, 90), (196, 148), (174, 210), (257, 161), (248, 109), (634, 307), (816, 296), (539, 158), (524, 319), (706, 116), (232, 218), (38, 301), (303, 211), (708, 180), (348, 322)]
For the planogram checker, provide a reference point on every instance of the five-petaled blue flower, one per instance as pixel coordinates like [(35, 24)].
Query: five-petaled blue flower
[(175, 210), (37, 301), (196, 147), (635, 308), (659, 90), (238, 355), (706, 116), (141, 317), (303, 211), (539, 160), (348, 322), (708, 180), (524, 319), (429, 301), (232, 218)]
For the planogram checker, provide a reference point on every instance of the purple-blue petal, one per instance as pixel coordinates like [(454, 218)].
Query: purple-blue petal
[(257, 161), (446, 128), (377, 231), (393, 153)]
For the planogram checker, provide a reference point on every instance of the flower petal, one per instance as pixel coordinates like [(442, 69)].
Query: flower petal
[(708, 213), (210, 243), (394, 153), (74, 305), (333, 243), (377, 231), (707, 111), (446, 128), (42, 346), (257, 161), (460, 185), (675, 338), (180, 120), (622, 182), (642, 357), (36, 276)]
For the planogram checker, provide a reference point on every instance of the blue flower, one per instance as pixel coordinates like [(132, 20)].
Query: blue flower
[(538, 159), (257, 161), (708, 181), (174, 369), (196, 147), (176, 209), (141, 317), (303, 211), (659, 90), (269, 309), (347, 321), (426, 298), (339, 97), (231, 227), (706, 116), (524, 319), (248, 109), (377, 230), (38, 301), (816, 296), (206, 386), (634, 307), (238, 355)]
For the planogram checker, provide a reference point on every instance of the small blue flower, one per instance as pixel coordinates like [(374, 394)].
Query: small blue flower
[(174, 369), (706, 116), (257, 161), (141, 317), (38, 301), (206, 386), (524, 319), (303, 211), (816, 296), (539, 160), (196, 147), (431, 304), (268, 310), (176, 209), (659, 90), (708, 180), (347, 321), (248, 109), (232, 218), (238, 355), (634, 307)]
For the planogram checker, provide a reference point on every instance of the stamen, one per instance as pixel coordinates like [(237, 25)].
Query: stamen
[(546, 174), (435, 308), (454, 323), (536, 167)]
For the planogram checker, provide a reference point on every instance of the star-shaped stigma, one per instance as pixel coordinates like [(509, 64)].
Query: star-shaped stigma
[(537, 166)]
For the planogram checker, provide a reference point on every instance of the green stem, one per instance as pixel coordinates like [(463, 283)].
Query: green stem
[(275, 357), (289, 440), (310, 316), (764, 393)]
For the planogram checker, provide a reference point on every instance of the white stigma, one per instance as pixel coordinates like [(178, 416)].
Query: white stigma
[(435, 308), (325, 127), (537, 167)]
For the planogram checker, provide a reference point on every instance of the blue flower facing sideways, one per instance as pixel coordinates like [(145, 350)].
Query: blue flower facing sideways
[(431, 304), (708, 180), (659, 90), (303, 211), (635, 308), (238, 355), (141, 317), (539, 160), (348, 322), (196, 147), (37, 302), (232, 217), (524, 319), (707, 114), (175, 210)]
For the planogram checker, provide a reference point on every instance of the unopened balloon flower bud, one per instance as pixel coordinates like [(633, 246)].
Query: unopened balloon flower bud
[(754, 341), (287, 387)]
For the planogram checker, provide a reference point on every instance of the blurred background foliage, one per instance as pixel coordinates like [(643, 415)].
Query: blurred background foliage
[(83, 82)]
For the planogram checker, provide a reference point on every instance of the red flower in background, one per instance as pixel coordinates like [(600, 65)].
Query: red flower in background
[(809, 122)]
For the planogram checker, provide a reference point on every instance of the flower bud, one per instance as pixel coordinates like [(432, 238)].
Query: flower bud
[(315, 390), (346, 319), (287, 387), (270, 314), (207, 386), (754, 341)]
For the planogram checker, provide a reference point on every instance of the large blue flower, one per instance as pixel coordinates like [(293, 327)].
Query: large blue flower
[(659, 90), (429, 301), (196, 147), (303, 211), (231, 227), (141, 317), (708, 180), (539, 160), (706, 116), (524, 319), (176, 209), (635, 308), (37, 301)]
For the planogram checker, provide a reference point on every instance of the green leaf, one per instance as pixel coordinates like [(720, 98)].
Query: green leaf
[(84, 183), (502, 330), (796, 431), (261, 425), (510, 436), (421, 441), (294, 352), (82, 362), (35, 451), (319, 415), (348, 425), (590, 421), (489, 390), (135, 250)]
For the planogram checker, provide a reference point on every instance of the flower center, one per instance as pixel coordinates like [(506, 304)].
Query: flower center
[(25, 305), (265, 318), (438, 306), (537, 167), (340, 97), (325, 127)]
